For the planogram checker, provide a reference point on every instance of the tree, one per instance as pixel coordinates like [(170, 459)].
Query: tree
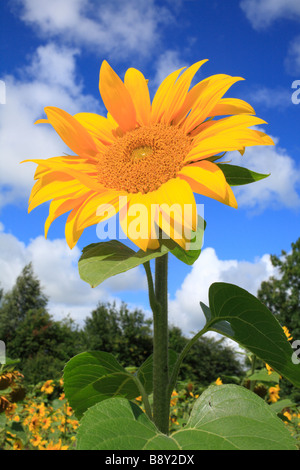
[(282, 294), (136, 338), (25, 295), (101, 329), (31, 334), (282, 297), (124, 333)]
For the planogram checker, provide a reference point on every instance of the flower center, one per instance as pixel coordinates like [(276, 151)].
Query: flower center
[(143, 159), (142, 152)]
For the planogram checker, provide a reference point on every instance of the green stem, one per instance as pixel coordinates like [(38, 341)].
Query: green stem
[(161, 402), (158, 297), (253, 365), (145, 399), (184, 352)]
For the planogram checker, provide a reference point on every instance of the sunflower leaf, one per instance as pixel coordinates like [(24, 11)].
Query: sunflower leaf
[(225, 417), (94, 376), (237, 314), (100, 261), (238, 175)]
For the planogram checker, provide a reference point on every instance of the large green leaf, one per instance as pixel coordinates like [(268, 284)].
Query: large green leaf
[(94, 376), (238, 175), (99, 261), (239, 315), (224, 417)]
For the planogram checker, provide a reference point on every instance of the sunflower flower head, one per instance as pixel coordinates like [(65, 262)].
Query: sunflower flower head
[(156, 154)]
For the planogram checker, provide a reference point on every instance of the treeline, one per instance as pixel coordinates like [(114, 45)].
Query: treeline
[(44, 345)]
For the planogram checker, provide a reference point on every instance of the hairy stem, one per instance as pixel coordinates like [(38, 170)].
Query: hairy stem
[(161, 402)]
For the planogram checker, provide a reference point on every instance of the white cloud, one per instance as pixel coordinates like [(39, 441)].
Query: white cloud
[(167, 62), (277, 191), (277, 98), (292, 61), (115, 28), (49, 80), (185, 310), (55, 265), (262, 13)]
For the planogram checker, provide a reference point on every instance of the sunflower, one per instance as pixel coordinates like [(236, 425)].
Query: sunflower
[(149, 155)]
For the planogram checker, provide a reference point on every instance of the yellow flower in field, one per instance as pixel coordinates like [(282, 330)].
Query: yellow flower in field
[(34, 423), (48, 387), (18, 445), (153, 156), (288, 415), (174, 398), (46, 422), (74, 423), (274, 394), (57, 446), (41, 409), (287, 333), (269, 369), (218, 381), (68, 410), (37, 441)]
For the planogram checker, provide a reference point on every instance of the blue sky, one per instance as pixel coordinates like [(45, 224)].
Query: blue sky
[(51, 53)]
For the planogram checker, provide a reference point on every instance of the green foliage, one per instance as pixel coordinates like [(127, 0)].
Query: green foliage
[(207, 360), (225, 417), (44, 345), (99, 261), (281, 295), (126, 334), (25, 295), (95, 376), (30, 333), (237, 175), (239, 315)]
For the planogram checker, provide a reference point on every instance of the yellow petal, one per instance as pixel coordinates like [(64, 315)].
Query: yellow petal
[(210, 128), (72, 132), (137, 220), (160, 101), (98, 126), (206, 178), (230, 106), (53, 186), (85, 173), (178, 211), (97, 208), (194, 94), (230, 140), (116, 98), (60, 206), (72, 234), (179, 91), (136, 84), (42, 121), (206, 101)]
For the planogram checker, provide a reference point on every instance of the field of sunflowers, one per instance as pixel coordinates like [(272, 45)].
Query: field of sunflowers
[(41, 418)]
